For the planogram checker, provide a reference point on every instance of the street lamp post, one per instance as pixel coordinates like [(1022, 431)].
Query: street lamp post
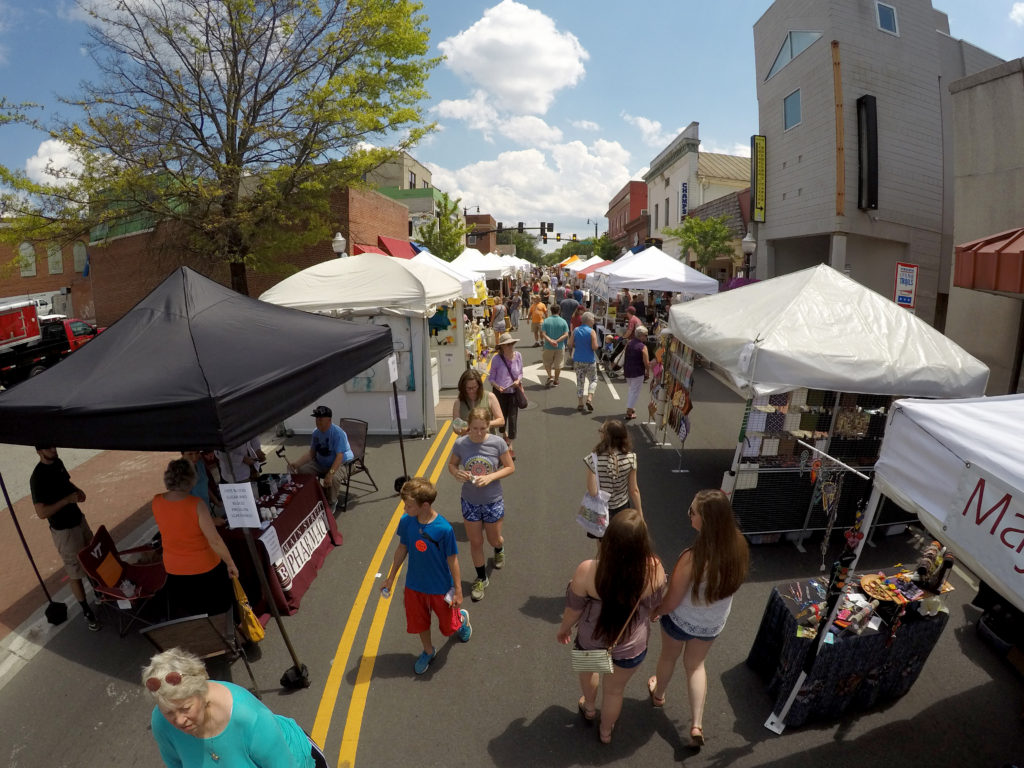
[(338, 245), (749, 246)]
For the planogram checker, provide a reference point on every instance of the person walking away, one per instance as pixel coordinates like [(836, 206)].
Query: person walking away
[(615, 471), (56, 499), (699, 598), (506, 375), (479, 461), (609, 600), (577, 294), (583, 343), (514, 305), (555, 332), (433, 581), (498, 315), (538, 313), (472, 395), (636, 367), (329, 449)]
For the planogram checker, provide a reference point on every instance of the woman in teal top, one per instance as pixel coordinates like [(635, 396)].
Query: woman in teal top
[(198, 722), (584, 343)]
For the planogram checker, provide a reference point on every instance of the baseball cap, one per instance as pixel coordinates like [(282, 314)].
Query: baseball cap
[(320, 411)]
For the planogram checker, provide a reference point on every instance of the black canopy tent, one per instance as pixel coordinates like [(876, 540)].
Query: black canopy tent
[(192, 365)]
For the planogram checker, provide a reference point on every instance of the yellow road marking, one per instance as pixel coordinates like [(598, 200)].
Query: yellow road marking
[(325, 710), (354, 721)]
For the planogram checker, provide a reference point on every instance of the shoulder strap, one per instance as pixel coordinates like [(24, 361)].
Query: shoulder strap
[(628, 618)]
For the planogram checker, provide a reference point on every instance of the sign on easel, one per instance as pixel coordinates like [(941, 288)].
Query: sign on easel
[(906, 285), (239, 505)]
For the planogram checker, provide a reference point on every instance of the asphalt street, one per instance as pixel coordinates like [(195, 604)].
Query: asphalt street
[(508, 697)]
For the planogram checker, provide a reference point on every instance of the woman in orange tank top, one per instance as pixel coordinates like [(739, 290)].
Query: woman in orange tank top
[(196, 559)]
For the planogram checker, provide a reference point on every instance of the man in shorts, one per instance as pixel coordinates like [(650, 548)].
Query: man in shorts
[(538, 312), (555, 332), (433, 582), (56, 501)]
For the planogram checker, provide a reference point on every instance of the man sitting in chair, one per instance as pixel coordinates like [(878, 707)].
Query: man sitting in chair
[(328, 451)]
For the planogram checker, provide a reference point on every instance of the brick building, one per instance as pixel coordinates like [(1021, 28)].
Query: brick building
[(54, 275), (735, 207), (629, 223), (487, 239)]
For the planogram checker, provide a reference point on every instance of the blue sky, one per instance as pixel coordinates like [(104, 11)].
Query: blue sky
[(546, 108)]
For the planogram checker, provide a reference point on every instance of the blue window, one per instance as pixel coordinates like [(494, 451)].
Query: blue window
[(791, 110), (794, 44), (887, 18)]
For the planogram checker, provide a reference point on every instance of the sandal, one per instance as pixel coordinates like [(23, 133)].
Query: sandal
[(605, 739), (696, 737), (590, 406), (589, 715), (656, 701)]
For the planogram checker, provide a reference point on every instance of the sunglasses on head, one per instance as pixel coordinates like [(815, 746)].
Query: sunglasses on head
[(171, 678)]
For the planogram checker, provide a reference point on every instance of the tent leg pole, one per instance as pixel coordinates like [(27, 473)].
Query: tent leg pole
[(399, 482)]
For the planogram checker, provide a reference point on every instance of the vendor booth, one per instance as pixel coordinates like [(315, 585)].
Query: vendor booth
[(820, 359), (489, 265), (653, 270), (376, 290)]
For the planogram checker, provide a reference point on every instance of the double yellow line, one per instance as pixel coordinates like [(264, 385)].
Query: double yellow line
[(354, 720)]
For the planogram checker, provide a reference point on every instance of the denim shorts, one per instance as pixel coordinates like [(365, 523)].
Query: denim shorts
[(486, 513), (673, 631), (630, 663)]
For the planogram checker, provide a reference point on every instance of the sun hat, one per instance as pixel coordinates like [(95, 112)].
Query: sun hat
[(506, 338)]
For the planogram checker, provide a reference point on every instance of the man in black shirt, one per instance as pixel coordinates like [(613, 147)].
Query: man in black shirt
[(56, 501)]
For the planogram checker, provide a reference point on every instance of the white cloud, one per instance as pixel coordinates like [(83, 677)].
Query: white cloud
[(739, 148), (476, 112), (517, 56), (50, 159), (1017, 14), (651, 131), (530, 131), (585, 125)]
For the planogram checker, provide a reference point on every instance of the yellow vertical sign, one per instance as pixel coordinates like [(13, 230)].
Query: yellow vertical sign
[(758, 190)]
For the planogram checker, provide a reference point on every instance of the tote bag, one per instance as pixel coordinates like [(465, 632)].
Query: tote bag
[(593, 514), (250, 626)]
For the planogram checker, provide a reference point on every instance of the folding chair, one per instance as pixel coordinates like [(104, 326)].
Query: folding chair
[(126, 587), (355, 429), (199, 635)]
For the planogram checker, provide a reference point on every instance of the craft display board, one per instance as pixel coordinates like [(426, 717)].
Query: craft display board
[(670, 393), (774, 491)]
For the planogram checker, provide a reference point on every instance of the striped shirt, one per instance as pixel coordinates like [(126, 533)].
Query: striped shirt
[(613, 475)]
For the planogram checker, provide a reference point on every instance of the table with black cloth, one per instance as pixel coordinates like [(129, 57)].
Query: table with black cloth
[(851, 674), (307, 532)]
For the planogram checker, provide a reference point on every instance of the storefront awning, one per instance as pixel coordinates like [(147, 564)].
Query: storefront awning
[(360, 248), (401, 248), (993, 263)]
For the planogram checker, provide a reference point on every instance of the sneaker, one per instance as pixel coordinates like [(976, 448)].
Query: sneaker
[(466, 630), (478, 588), (499, 560), (92, 621), (424, 661)]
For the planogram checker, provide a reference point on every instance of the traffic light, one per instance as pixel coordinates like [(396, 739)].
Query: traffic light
[(574, 237), (558, 237), (544, 238), (520, 227), (499, 226), (551, 226), (543, 227)]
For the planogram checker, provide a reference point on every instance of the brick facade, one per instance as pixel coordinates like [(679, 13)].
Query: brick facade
[(79, 288), (482, 222)]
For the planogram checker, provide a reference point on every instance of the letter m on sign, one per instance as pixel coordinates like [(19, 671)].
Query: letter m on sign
[(978, 498)]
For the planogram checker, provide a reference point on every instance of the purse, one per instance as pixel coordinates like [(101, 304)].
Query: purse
[(519, 392), (249, 626), (600, 660), (593, 514)]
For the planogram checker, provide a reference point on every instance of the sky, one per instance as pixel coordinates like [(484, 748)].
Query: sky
[(545, 108)]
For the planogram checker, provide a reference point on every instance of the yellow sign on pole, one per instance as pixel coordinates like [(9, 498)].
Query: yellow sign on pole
[(758, 185)]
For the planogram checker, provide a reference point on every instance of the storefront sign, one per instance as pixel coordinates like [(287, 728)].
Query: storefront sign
[(758, 179), (906, 285), (683, 202)]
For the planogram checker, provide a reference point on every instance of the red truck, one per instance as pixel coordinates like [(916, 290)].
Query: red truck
[(31, 343)]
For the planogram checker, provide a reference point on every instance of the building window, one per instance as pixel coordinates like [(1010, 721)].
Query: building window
[(791, 110), (887, 19), (27, 255), (668, 218), (794, 44), (412, 180), (657, 221), (55, 260), (79, 253), (471, 239)]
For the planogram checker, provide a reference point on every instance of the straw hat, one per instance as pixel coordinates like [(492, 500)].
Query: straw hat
[(506, 338)]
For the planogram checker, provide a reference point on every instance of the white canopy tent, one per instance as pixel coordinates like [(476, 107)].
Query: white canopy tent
[(653, 270), (489, 265), (467, 278), (819, 329), (956, 463), (379, 289), (579, 264)]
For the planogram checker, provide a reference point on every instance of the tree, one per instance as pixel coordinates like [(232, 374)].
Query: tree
[(229, 122), (445, 235), (525, 243), (707, 238)]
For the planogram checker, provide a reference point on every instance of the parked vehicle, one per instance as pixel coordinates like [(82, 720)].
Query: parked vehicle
[(19, 323), (58, 336)]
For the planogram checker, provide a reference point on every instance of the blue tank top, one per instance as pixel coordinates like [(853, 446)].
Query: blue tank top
[(582, 349)]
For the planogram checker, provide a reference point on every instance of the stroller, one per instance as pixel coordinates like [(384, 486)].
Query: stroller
[(611, 348)]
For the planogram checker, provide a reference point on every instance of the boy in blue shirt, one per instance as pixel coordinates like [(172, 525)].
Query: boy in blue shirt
[(433, 582)]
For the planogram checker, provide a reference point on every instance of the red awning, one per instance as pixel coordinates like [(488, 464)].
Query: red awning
[(592, 267), (401, 248), (359, 248), (993, 263)]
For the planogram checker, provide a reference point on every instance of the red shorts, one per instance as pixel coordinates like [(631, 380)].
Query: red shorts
[(417, 613)]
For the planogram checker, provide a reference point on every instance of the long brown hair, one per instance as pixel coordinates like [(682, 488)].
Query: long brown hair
[(623, 570), (721, 557), (471, 373), (614, 438)]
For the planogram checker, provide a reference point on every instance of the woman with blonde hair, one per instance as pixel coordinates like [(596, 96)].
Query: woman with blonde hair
[(699, 599), (610, 600), (202, 722)]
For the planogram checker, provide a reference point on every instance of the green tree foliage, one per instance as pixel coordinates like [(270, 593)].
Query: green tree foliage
[(707, 238), (526, 244), (445, 235), (229, 122)]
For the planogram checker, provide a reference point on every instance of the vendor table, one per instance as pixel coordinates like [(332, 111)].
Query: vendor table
[(851, 674), (306, 532)]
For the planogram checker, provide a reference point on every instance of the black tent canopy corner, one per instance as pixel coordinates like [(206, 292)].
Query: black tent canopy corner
[(194, 364)]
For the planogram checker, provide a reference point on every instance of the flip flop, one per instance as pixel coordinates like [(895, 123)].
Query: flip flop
[(588, 715), (656, 701)]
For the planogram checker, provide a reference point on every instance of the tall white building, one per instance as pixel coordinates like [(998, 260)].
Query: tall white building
[(855, 109)]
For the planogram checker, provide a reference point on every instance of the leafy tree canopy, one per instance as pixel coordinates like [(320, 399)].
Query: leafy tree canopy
[(230, 119), (445, 235), (707, 238), (526, 244)]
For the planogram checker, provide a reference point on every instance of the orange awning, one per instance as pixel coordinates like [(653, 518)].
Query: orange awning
[(993, 263)]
